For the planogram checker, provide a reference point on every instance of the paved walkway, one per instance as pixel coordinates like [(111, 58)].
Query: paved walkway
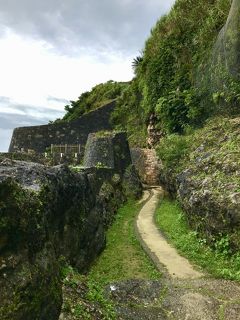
[(156, 245)]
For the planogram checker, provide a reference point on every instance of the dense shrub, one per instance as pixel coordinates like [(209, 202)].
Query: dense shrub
[(179, 108), (172, 74)]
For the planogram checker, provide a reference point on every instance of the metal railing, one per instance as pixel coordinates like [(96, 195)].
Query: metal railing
[(66, 149)]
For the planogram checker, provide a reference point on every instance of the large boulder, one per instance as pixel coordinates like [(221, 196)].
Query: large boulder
[(29, 272), (46, 215)]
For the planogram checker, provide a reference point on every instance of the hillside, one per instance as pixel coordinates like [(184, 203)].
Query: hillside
[(186, 88), (181, 78), (99, 95), (174, 72), (202, 168)]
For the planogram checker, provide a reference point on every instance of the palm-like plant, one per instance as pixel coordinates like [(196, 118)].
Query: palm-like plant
[(136, 62)]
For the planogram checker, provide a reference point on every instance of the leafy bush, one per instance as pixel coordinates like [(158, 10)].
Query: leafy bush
[(129, 114), (179, 108)]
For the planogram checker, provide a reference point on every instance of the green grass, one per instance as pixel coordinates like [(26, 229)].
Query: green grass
[(123, 257), (216, 261)]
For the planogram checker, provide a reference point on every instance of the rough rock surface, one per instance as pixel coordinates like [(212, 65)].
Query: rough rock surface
[(46, 215), (147, 165), (201, 299), (107, 149), (131, 183), (154, 134), (208, 183)]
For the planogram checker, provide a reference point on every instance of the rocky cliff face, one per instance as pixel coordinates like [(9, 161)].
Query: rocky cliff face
[(47, 215), (147, 165), (207, 182)]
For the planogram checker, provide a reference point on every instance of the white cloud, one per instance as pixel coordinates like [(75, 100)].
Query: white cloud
[(5, 136), (53, 50), (31, 71), (71, 24), (34, 77)]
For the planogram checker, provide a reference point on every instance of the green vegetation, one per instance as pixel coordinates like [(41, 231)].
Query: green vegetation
[(99, 95), (172, 75), (173, 148), (85, 297), (203, 165), (176, 78), (122, 259), (130, 116), (218, 259), (219, 138)]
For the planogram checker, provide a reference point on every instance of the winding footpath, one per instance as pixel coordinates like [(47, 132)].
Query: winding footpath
[(185, 293), (156, 245)]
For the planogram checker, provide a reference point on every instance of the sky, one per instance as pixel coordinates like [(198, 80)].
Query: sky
[(53, 50)]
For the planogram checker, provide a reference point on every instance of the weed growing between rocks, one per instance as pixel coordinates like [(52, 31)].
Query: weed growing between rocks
[(217, 260), (84, 298)]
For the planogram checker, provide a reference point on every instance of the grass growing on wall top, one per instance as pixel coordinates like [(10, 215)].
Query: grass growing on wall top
[(216, 261)]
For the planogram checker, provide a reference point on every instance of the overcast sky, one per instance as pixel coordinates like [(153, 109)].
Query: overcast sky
[(53, 50)]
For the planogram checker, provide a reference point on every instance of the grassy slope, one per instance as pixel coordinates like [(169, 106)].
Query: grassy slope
[(99, 95), (219, 136), (171, 79), (122, 259), (216, 261)]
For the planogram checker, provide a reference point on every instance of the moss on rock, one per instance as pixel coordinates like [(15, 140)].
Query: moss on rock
[(206, 179)]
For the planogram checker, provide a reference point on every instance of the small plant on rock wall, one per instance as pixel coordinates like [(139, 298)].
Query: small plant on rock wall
[(103, 134), (76, 168), (222, 245)]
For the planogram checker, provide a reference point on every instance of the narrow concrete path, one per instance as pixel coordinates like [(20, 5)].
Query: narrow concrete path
[(156, 245)]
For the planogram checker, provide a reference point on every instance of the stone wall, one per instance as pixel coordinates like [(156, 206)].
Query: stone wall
[(38, 138), (147, 165), (109, 149), (53, 214)]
